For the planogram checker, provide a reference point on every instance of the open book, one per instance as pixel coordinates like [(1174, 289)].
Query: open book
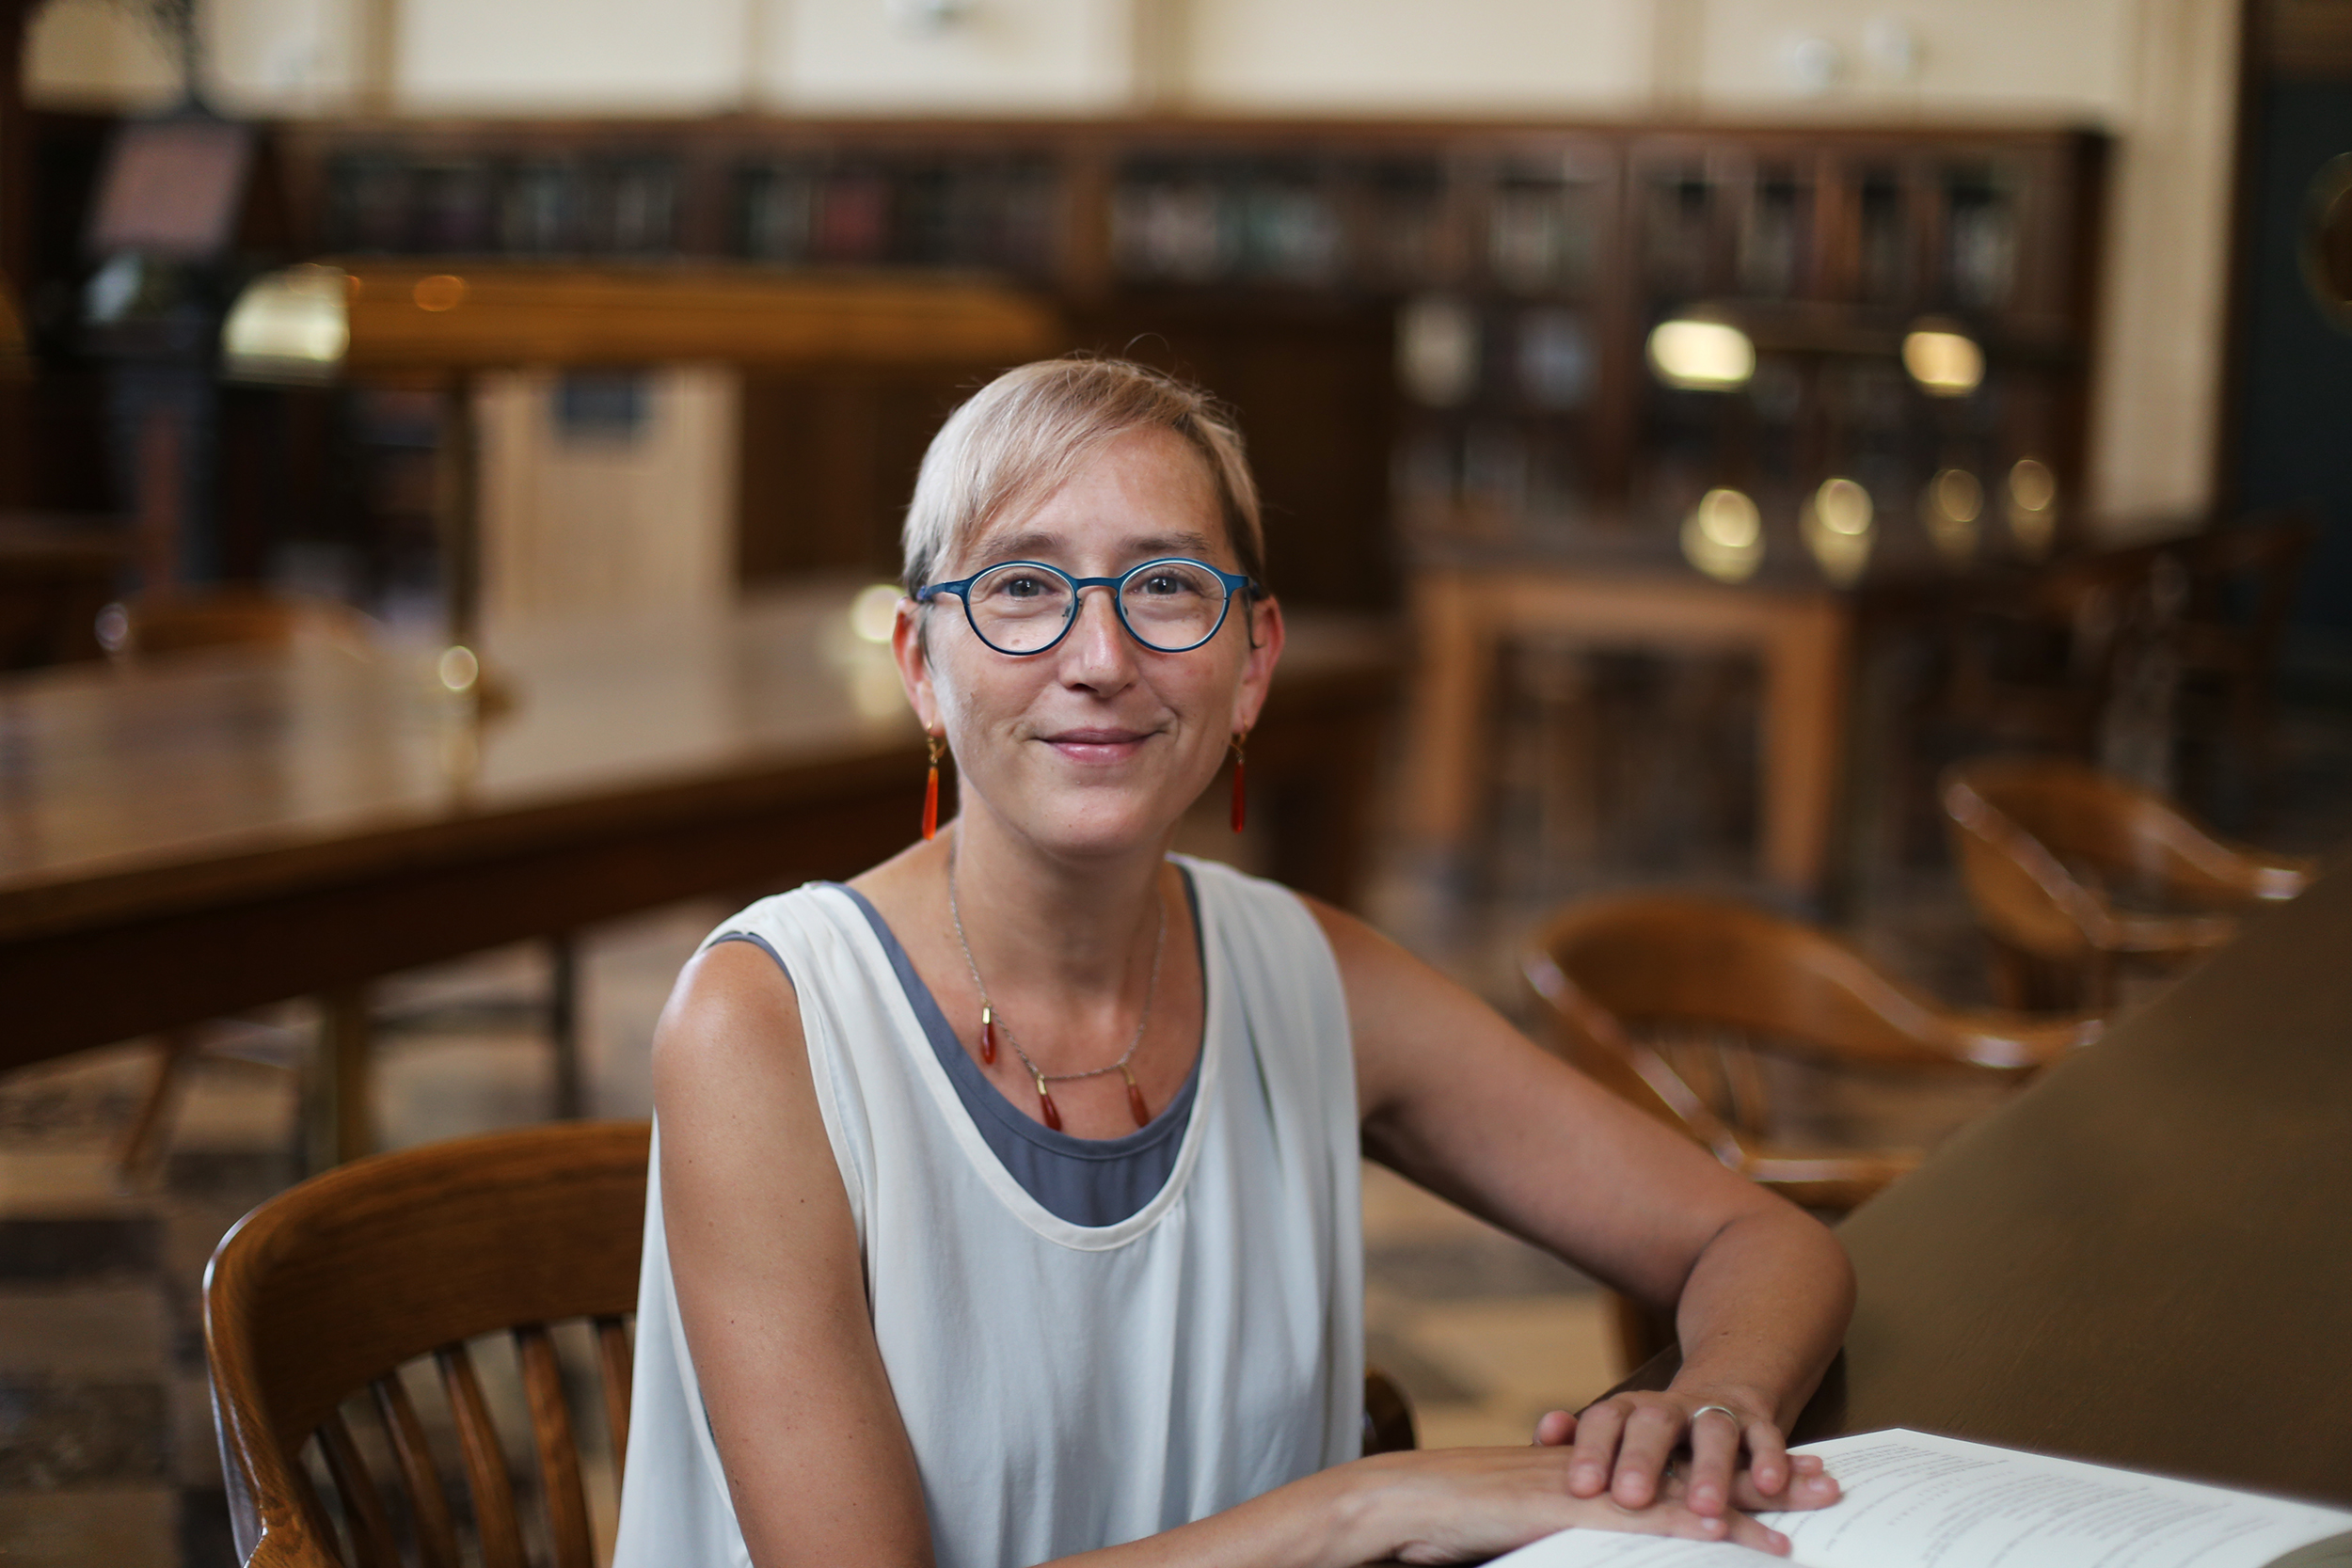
[(1916, 1501)]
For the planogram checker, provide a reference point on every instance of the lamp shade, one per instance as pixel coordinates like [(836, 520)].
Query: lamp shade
[(290, 325)]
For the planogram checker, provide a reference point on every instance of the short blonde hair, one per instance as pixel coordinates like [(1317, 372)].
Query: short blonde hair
[(1022, 436)]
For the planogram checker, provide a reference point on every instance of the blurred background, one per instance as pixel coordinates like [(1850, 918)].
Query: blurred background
[(1694, 433)]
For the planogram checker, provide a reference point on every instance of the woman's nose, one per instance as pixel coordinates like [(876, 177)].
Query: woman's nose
[(1098, 641)]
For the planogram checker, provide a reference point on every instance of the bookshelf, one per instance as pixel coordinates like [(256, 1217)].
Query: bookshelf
[(1435, 330)]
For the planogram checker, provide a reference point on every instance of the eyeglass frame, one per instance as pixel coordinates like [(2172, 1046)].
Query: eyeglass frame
[(1234, 582)]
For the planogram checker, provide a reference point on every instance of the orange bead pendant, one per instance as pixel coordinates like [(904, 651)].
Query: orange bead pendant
[(988, 1036), (1135, 1107), (1053, 1117)]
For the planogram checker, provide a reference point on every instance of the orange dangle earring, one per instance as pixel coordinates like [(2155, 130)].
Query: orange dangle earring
[(930, 788), (1241, 799)]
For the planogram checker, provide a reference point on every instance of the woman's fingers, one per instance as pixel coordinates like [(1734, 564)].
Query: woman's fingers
[(1714, 1458), (1768, 1456), (1625, 1446), (1810, 1487), (1554, 1428), (1652, 1432), (1596, 1432)]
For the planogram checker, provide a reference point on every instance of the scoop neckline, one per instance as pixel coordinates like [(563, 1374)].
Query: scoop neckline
[(1002, 1182)]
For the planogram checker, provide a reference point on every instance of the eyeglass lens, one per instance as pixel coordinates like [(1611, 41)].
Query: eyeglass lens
[(1168, 605)]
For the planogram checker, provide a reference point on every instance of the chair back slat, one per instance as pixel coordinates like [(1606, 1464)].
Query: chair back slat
[(612, 1354), (365, 1522), (559, 1455), (487, 1479), (428, 1505)]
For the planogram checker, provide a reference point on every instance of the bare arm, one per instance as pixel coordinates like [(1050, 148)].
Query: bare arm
[(770, 1287), (769, 1284), (1458, 1100)]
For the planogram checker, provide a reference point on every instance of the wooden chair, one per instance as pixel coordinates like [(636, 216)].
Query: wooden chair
[(319, 1297), (1676, 1004), (2054, 854), (2038, 658)]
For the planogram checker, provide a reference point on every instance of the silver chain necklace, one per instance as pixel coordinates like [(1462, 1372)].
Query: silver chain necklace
[(990, 1025)]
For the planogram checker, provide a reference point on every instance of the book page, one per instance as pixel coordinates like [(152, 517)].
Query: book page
[(1600, 1549), (1912, 1500)]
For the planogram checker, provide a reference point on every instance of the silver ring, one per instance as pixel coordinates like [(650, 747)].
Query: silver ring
[(1736, 1418)]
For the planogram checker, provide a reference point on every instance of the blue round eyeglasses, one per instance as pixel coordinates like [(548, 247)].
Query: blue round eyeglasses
[(1171, 605)]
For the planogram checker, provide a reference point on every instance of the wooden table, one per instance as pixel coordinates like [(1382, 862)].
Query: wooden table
[(1463, 612), (2146, 1257), (222, 832)]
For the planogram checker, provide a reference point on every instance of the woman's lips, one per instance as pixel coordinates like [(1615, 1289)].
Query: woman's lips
[(1098, 745)]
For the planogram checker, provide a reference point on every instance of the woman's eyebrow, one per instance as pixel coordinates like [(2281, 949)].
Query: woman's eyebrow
[(1038, 545), (1173, 544)]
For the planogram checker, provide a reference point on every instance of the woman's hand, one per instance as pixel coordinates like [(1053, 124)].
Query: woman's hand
[(1623, 1446), (1455, 1505)]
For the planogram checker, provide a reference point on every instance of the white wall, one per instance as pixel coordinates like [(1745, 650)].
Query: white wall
[(569, 56), (2160, 73), (1490, 57), (1003, 56)]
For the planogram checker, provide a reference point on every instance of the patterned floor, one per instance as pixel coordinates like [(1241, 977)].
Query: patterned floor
[(106, 1451)]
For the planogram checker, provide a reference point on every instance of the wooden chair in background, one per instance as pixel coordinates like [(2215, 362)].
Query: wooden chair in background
[(2056, 855), (1678, 1004), (319, 1298), (2186, 629), (176, 621)]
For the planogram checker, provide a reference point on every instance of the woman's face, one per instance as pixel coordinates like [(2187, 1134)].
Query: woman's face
[(1096, 746)]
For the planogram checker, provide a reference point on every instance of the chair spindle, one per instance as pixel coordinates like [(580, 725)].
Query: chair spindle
[(559, 1455), (436, 1537), (486, 1475), (370, 1527)]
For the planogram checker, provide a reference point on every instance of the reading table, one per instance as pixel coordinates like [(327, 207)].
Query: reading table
[(218, 832)]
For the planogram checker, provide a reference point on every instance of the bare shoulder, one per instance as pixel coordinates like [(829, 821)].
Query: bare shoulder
[(1397, 1004), (730, 1001), (1354, 942), (729, 1057), (1377, 972)]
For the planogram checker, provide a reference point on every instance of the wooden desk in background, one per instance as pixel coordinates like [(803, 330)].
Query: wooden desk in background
[(2146, 1257), (1463, 614), (181, 841)]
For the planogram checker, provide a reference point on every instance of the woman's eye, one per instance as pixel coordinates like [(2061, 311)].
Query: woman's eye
[(1165, 583)]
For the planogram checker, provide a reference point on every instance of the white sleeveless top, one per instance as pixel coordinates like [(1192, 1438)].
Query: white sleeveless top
[(1065, 1387)]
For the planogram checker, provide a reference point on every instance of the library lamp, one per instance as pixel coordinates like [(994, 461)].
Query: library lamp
[(1836, 521), (1697, 354), (1945, 362), (1724, 536), (289, 326)]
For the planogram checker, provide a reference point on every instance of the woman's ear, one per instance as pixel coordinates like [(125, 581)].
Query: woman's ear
[(1257, 672), (908, 648)]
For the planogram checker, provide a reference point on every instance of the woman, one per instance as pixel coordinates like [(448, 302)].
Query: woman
[(1005, 1199)]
